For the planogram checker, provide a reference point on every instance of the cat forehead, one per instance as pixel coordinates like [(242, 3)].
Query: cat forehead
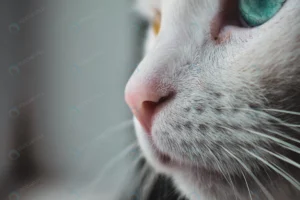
[(150, 5), (147, 7), (179, 14)]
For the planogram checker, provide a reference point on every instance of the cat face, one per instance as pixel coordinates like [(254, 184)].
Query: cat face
[(216, 103)]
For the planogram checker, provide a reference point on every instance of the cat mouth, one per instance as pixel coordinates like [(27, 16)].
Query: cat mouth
[(156, 155), (170, 163), (165, 159)]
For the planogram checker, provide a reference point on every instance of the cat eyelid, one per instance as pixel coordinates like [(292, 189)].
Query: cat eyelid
[(243, 22)]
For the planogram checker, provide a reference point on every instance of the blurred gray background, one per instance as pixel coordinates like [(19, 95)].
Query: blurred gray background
[(64, 67)]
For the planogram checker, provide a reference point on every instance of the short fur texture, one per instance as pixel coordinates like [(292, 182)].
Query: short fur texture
[(222, 127)]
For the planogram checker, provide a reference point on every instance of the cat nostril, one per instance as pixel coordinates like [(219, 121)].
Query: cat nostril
[(153, 107), (149, 109), (149, 106)]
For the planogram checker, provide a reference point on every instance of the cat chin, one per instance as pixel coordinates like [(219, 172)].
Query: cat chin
[(161, 162), (184, 177), (157, 160), (161, 167)]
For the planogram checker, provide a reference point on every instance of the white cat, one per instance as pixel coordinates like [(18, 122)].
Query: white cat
[(216, 97)]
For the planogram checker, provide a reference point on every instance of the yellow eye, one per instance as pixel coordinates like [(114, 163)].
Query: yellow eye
[(156, 22)]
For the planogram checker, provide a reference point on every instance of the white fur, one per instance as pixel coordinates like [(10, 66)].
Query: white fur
[(248, 68)]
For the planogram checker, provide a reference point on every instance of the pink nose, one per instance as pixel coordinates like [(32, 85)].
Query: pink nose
[(145, 99)]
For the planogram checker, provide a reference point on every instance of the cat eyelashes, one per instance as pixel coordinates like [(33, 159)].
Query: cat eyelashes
[(256, 12)]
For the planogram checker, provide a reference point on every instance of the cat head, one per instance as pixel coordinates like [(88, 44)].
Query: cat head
[(216, 102)]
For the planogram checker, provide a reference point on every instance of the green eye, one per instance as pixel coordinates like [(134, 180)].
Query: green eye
[(257, 12)]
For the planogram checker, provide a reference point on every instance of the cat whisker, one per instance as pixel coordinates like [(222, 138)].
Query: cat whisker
[(283, 111), (285, 136), (115, 128), (223, 173), (112, 163), (297, 150), (247, 185), (108, 132), (141, 175), (277, 169), (265, 191), (268, 175), (168, 194), (281, 157), (234, 190), (147, 186), (278, 141), (274, 139), (289, 125), (137, 181), (143, 171), (292, 125)]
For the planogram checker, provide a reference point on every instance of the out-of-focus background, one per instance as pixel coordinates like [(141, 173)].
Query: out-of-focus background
[(64, 67)]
